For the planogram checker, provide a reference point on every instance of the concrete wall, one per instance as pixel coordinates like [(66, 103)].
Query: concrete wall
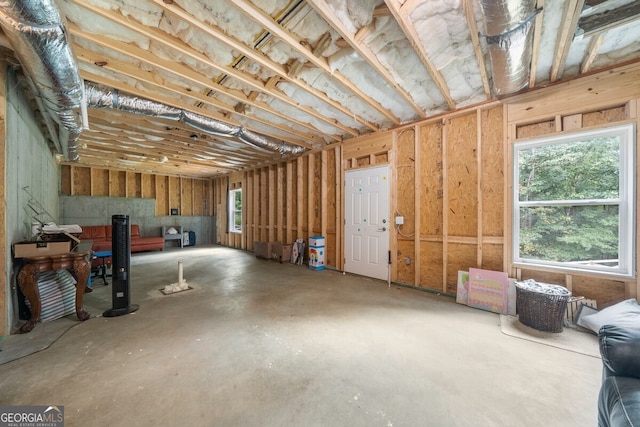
[(92, 210), (30, 168)]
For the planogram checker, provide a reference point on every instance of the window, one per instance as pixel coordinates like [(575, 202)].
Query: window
[(574, 201), (235, 211)]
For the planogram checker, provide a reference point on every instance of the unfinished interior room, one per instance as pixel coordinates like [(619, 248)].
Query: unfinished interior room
[(320, 212)]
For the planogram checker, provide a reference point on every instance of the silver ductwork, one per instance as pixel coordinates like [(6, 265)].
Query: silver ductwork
[(101, 97), (36, 32), (509, 36)]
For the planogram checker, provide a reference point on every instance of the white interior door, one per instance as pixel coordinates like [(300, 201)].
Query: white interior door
[(366, 230)]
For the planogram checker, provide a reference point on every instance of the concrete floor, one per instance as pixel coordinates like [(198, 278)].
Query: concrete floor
[(257, 343)]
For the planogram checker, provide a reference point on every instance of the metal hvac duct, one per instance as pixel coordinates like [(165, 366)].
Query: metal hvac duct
[(509, 37), (38, 37), (101, 97), (37, 34)]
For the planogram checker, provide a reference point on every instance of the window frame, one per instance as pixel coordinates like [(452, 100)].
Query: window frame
[(626, 202), (232, 211)]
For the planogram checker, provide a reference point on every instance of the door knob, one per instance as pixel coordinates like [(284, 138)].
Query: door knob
[(382, 229)]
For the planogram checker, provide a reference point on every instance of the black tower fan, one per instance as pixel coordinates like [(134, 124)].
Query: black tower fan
[(121, 263)]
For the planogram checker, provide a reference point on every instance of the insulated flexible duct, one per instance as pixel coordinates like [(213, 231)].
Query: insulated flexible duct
[(36, 32), (38, 37), (100, 97), (509, 37)]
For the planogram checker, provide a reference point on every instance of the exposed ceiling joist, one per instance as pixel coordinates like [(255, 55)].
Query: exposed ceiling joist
[(261, 79), (274, 28), (401, 15), (570, 15), (323, 9)]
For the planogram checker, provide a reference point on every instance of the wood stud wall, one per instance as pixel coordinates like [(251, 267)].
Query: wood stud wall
[(450, 180), (191, 196), (285, 201)]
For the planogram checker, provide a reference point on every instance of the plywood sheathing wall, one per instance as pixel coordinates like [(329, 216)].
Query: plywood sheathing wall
[(449, 178), (191, 196)]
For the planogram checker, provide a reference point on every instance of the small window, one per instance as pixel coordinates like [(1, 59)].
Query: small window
[(235, 211), (574, 201)]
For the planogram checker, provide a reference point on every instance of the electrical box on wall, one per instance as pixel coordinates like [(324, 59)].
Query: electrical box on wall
[(399, 220)]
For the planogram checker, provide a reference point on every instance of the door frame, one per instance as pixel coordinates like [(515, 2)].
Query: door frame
[(392, 203)]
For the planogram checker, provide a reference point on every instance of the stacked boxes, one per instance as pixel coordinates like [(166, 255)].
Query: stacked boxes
[(316, 252)]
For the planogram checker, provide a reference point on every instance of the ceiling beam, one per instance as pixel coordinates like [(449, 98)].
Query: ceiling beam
[(570, 15), (475, 40), (535, 48), (592, 52)]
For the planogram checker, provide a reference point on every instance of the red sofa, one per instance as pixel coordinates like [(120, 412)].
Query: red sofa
[(101, 236)]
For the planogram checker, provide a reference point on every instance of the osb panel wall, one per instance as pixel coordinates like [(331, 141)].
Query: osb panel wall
[(405, 181), (492, 257), (162, 196), (117, 183), (81, 181), (149, 186), (492, 173), (459, 258), (286, 201), (100, 182), (134, 184), (406, 272), (431, 191), (462, 176), (187, 194), (431, 265)]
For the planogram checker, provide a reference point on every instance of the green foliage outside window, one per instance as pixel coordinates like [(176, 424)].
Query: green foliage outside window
[(574, 200)]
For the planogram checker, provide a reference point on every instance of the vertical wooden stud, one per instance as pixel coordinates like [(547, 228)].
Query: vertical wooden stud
[(323, 193), (510, 132), (417, 242), (479, 187), (289, 204), (311, 193), (256, 206), (300, 197), (445, 206), (280, 214), (271, 224), (339, 209)]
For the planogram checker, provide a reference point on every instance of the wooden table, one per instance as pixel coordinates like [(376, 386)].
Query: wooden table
[(76, 261)]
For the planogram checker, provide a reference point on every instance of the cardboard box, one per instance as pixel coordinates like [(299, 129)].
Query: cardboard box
[(281, 252), (262, 249), (31, 249)]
